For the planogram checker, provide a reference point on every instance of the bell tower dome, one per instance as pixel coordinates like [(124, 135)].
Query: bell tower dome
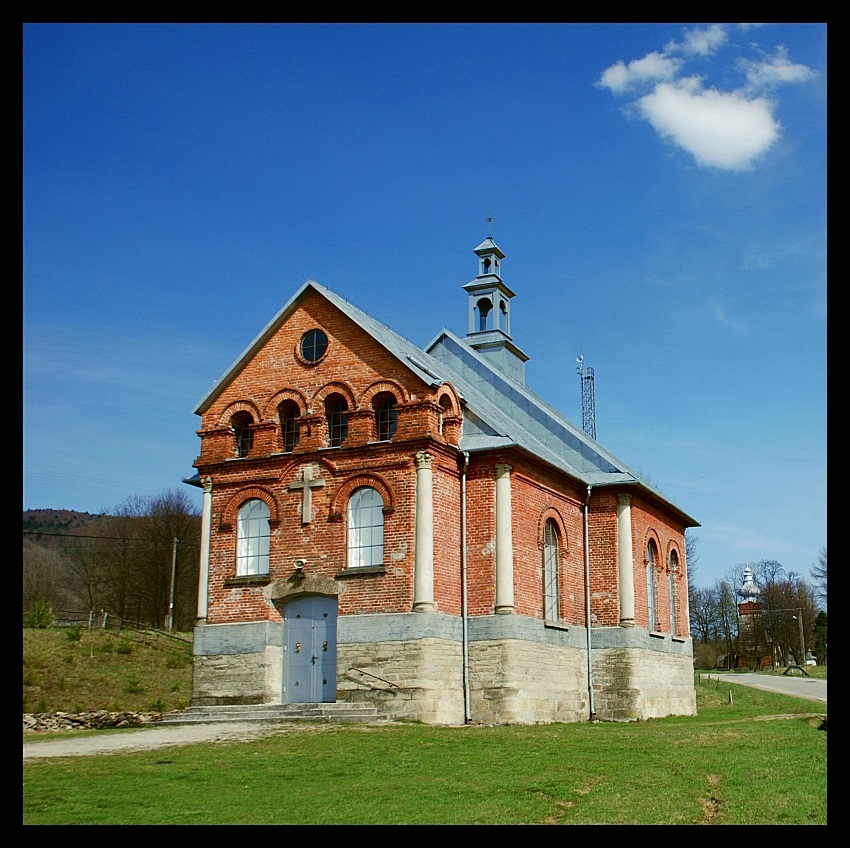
[(490, 314)]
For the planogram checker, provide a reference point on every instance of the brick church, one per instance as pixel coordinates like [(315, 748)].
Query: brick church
[(419, 529)]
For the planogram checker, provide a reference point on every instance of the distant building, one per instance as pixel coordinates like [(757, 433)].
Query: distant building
[(418, 528)]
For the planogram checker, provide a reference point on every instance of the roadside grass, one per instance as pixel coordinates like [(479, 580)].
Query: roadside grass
[(77, 669), (759, 760), (816, 671)]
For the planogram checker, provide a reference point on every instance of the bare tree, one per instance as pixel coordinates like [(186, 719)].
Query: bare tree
[(45, 578), (819, 576), (163, 537)]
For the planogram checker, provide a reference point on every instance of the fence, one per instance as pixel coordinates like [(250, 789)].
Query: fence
[(104, 620)]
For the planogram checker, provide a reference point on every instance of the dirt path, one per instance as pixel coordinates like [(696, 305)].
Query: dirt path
[(152, 738)]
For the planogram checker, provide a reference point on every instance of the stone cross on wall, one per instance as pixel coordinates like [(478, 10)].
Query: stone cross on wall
[(307, 483)]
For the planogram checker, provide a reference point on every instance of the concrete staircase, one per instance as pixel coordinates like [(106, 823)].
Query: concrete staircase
[(363, 713)]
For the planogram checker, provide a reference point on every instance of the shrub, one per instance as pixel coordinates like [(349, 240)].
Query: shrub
[(41, 617), (74, 633), (124, 647), (134, 686)]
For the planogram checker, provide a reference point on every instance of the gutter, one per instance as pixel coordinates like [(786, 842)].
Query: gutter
[(464, 612), (592, 703)]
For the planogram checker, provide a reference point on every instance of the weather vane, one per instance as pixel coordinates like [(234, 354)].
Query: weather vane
[(489, 221)]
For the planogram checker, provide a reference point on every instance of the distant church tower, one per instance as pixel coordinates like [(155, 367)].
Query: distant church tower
[(749, 609), (490, 314)]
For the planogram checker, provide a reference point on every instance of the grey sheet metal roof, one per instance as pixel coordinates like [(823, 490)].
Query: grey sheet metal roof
[(498, 413)]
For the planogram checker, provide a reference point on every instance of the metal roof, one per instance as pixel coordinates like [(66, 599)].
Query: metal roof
[(499, 412)]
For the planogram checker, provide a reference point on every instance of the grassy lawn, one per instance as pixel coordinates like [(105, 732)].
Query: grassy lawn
[(760, 760), (76, 669)]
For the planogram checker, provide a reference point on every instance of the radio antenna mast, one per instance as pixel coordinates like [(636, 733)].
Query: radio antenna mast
[(588, 399)]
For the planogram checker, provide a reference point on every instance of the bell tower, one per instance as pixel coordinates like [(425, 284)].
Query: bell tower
[(490, 314)]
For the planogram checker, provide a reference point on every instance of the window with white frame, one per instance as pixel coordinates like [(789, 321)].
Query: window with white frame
[(365, 528), (674, 581), (651, 565), (252, 538), (551, 590)]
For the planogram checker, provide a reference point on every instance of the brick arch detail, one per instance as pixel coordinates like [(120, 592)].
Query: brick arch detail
[(318, 401), (239, 406), (346, 490), (447, 389), (653, 535), (383, 386), (673, 547), (550, 512), (289, 470), (228, 515), (270, 410)]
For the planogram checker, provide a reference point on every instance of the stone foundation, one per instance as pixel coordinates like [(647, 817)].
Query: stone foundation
[(520, 670)]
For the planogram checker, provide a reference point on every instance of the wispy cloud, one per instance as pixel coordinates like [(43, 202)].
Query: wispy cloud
[(719, 314), (729, 130), (699, 41)]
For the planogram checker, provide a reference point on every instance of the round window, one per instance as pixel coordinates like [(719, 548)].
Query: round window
[(314, 345)]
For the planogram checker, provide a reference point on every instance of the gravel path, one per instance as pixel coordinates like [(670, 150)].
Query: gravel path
[(152, 738)]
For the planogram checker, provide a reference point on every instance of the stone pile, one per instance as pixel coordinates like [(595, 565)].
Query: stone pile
[(92, 720)]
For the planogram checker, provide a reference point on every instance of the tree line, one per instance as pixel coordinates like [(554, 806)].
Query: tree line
[(779, 623), (133, 562)]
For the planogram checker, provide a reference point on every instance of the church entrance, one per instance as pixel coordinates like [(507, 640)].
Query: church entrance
[(309, 652)]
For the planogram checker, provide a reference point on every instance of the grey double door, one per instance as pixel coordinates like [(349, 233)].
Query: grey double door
[(309, 653)]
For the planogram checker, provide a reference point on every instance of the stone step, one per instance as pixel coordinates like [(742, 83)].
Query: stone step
[(335, 712)]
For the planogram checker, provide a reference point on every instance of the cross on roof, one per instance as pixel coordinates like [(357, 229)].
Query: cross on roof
[(307, 483)]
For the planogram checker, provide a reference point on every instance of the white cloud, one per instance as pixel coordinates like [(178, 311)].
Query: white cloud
[(700, 42), (652, 68), (775, 70), (719, 130), (729, 130)]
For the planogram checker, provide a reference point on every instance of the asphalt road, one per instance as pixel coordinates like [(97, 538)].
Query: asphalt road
[(796, 684)]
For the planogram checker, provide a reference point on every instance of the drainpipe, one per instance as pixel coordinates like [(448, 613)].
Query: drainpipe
[(464, 612), (587, 605)]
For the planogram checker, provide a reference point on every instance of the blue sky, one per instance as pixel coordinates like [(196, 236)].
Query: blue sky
[(659, 192)]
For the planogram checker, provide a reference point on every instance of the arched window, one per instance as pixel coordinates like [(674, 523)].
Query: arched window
[(252, 538), (336, 410), (365, 528), (651, 565), (445, 409), (289, 413), (386, 417), (551, 590), (484, 306), (674, 585), (241, 424)]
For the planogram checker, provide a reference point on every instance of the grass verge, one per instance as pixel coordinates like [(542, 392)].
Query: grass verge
[(760, 760)]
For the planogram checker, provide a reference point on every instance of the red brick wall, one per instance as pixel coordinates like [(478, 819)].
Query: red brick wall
[(649, 521), (358, 368)]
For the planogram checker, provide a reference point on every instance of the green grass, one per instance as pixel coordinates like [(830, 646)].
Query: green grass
[(74, 670), (760, 760)]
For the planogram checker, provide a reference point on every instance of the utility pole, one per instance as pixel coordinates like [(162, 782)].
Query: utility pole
[(799, 617), (169, 619)]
